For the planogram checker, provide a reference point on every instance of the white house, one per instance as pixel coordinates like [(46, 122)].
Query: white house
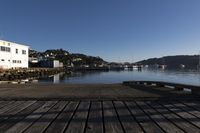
[(13, 55)]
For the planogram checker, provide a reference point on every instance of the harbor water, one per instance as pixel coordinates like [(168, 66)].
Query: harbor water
[(190, 77)]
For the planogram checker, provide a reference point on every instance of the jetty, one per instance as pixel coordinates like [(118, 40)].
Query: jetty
[(134, 106)]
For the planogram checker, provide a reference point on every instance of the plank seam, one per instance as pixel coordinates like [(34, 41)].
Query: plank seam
[(165, 117), (65, 129), (150, 118), (191, 107), (134, 117), (38, 118), (103, 120), (13, 107), (179, 115), (25, 115), (197, 109), (86, 122), (55, 118), (13, 115), (118, 117), (185, 110), (10, 102)]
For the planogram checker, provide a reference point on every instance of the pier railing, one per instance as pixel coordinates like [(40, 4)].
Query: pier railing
[(176, 86)]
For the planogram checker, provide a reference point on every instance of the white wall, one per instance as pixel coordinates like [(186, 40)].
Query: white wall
[(11, 56), (56, 63)]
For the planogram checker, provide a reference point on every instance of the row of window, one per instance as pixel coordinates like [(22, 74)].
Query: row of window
[(7, 49), (14, 61), (5, 43), (17, 61)]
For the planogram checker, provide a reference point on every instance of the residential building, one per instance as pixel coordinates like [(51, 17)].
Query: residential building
[(13, 55), (50, 63)]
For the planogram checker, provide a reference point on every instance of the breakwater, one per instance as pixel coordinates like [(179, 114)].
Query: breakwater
[(20, 74)]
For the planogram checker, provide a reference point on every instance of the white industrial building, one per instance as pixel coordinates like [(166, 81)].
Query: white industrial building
[(13, 55)]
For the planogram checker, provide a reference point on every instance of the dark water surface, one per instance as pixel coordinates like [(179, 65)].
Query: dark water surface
[(183, 76)]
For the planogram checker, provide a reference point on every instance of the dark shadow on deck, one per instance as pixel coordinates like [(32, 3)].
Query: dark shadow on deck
[(109, 114)]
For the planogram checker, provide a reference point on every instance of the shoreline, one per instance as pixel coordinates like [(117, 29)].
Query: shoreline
[(17, 75)]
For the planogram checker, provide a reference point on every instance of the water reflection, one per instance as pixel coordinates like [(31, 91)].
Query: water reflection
[(57, 78), (176, 76)]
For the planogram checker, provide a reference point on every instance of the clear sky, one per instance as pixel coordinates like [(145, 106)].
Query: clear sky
[(116, 30)]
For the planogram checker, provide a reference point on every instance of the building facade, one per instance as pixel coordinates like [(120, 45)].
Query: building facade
[(50, 63), (13, 55)]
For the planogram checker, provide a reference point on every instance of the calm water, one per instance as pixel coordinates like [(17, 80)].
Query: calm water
[(186, 77)]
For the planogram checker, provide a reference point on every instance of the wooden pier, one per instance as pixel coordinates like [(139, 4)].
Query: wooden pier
[(99, 116), (97, 109)]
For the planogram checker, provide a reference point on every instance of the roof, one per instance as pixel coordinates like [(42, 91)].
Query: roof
[(14, 43)]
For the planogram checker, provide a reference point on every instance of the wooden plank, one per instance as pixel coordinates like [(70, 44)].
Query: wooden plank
[(187, 109), (129, 123), (10, 106), (59, 125), (111, 121), (147, 124), (19, 116), (78, 122), (165, 124), (5, 103), (188, 117), (41, 124), (178, 121), (15, 110), (192, 104), (95, 119), (30, 119)]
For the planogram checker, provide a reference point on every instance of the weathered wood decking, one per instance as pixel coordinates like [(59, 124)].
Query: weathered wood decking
[(100, 116), (117, 108)]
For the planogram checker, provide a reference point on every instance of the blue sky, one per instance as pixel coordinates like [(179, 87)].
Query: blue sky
[(116, 30)]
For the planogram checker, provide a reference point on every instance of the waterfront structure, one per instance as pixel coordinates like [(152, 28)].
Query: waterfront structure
[(50, 63), (13, 55)]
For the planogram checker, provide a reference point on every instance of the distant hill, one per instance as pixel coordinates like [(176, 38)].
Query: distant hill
[(174, 62), (66, 57)]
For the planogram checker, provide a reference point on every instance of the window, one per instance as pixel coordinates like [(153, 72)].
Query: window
[(5, 49), (16, 51), (23, 51), (17, 61)]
